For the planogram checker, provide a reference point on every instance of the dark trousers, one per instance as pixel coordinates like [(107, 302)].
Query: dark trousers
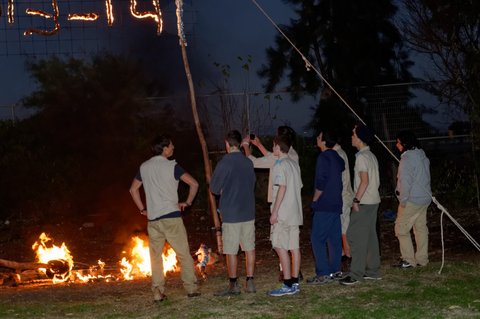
[(363, 240), (326, 240)]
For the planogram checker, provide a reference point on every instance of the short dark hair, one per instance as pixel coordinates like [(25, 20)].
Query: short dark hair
[(283, 142), (329, 137), (234, 138), (364, 133), (287, 132), (159, 142), (408, 140)]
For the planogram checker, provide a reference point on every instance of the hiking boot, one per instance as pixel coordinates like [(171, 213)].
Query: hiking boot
[(283, 291), (319, 280), (348, 281), (250, 286), (232, 290), (158, 296), (403, 264)]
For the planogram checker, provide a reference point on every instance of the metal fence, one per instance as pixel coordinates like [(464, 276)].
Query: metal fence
[(445, 135)]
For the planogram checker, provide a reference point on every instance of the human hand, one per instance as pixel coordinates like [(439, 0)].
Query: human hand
[(246, 142), (355, 207), (183, 205), (255, 141), (273, 219)]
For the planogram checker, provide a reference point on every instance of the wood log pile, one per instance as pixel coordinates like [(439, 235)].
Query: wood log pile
[(13, 273)]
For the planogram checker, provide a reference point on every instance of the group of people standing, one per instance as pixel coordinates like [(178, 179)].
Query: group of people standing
[(343, 223)]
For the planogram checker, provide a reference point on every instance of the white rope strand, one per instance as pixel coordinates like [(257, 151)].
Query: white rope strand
[(308, 66), (469, 237)]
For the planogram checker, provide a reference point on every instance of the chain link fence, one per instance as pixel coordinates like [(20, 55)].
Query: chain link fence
[(445, 135)]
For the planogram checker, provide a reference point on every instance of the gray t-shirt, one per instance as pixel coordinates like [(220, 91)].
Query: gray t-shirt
[(234, 181)]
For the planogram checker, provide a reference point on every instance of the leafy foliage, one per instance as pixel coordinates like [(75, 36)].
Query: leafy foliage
[(351, 43), (80, 151)]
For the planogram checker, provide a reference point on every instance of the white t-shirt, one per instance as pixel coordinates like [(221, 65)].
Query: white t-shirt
[(268, 161), (367, 162)]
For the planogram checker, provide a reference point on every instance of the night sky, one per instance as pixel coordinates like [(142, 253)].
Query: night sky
[(217, 31)]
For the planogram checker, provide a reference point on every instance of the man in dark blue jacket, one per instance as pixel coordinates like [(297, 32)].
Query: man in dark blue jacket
[(327, 207)]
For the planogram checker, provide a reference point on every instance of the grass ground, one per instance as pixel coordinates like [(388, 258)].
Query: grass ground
[(412, 293)]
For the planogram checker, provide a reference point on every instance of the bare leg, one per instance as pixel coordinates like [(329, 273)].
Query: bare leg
[(250, 262), (296, 261), (285, 262), (232, 262), (346, 246)]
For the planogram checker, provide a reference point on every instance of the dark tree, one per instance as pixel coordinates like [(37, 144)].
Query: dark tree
[(78, 154), (352, 43), (448, 34)]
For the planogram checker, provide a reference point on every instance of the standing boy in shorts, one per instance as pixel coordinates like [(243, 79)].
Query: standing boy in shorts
[(286, 216), (234, 181)]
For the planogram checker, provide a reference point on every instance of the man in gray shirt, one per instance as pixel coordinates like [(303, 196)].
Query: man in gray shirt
[(234, 181)]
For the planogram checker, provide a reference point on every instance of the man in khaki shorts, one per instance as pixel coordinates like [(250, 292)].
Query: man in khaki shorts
[(234, 181), (286, 216)]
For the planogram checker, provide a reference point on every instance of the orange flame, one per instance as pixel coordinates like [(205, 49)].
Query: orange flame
[(155, 15), (83, 16), (139, 264), (46, 251)]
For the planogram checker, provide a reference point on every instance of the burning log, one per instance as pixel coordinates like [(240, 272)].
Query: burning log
[(22, 272), (18, 266)]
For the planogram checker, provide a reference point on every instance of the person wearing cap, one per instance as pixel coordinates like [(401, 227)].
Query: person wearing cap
[(414, 196), (362, 232)]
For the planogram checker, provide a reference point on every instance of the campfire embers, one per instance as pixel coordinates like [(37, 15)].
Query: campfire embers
[(57, 262), (58, 269), (58, 259), (205, 256), (138, 264)]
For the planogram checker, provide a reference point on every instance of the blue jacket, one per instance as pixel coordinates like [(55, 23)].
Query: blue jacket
[(328, 179)]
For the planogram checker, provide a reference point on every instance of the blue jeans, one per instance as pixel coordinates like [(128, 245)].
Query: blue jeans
[(326, 241)]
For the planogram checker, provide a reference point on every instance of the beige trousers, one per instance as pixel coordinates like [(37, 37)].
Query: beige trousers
[(408, 217), (172, 230)]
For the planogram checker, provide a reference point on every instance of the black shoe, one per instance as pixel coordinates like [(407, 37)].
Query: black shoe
[(193, 294), (403, 264), (337, 276), (348, 281)]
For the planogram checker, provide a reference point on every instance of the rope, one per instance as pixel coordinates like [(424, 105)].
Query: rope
[(309, 66), (469, 237)]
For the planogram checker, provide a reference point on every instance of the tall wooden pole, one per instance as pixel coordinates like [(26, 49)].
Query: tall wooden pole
[(198, 126)]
